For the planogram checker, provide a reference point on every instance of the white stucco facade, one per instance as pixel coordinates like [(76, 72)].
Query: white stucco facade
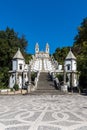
[(19, 72), (12, 80), (70, 65)]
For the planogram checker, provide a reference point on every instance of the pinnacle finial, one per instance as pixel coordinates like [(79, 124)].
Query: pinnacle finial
[(37, 44)]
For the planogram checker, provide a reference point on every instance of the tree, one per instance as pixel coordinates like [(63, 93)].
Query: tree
[(80, 48), (9, 44), (60, 54)]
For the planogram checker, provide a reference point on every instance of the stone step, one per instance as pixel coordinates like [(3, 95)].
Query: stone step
[(45, 86), (47, 93)]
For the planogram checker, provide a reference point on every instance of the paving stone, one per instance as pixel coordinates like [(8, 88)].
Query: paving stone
[(43, 112), (48, 128), (33, 117), (11, 122), (18, 128), (48, 117), (82, 128)]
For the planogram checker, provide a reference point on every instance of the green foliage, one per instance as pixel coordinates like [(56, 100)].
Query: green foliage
[(28, 57), (33, 76), (83, 80), (12, 89), (16, 87), (4, 77), (9, 44), (60, 54), (60, 77), (79, 48), (83, 75), (3, 87)]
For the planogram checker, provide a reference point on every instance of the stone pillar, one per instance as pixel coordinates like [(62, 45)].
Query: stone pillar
[(29, 79), (72, 79), (64, 77), (16, 78), (64, 74)]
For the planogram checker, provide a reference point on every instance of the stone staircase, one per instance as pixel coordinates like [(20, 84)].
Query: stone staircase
[(45, 86)]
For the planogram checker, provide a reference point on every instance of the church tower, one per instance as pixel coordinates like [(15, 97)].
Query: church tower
[(18, 61), (36, 48), (70, 62), (70, 67), (47, 48), (16, 74)]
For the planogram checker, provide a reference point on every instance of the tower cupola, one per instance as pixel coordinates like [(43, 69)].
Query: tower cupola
[(70, 62), (18, 61)]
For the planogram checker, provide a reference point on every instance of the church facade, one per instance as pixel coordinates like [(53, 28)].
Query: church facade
[(42, 54)]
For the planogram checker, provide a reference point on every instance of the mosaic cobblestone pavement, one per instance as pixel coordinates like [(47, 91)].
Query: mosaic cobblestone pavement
[(44, 112)]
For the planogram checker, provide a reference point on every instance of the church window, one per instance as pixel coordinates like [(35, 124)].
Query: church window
[(68, 67), (20, 66)]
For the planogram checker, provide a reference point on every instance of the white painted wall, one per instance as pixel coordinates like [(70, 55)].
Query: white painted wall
[(12, 81), (72, 63), (20, 62), (20, 81), (25, 79), (60, 67), (75, 84), (14, 65), (66, 64), (26, 66)]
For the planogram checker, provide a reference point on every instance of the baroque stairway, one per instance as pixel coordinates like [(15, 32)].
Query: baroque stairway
[(42, 65), (45, 86)]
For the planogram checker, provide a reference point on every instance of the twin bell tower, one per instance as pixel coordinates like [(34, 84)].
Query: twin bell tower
[(40, 54), (37, 48)]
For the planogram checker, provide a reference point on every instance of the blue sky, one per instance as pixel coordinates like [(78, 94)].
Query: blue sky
[(42, 21)]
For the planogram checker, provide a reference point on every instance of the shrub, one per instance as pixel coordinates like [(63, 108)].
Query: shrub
[(3, 87), (83, 80), (33, 75), (11, 89), (61, 77), (16, 87)]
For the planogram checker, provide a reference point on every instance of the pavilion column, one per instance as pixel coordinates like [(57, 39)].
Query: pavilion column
[(72, 80), (16, 78), (29, 79), (64, 74)]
